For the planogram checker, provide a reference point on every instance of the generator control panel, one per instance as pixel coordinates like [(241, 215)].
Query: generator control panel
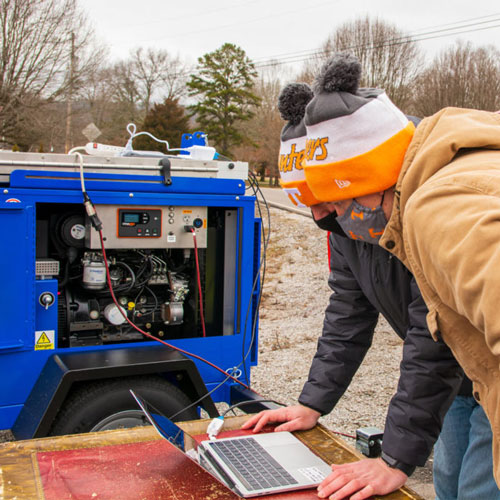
[(139, 223), (148, 227)]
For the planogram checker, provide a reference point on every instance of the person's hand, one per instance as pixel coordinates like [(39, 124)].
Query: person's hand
[(295, 418), (360, 480)]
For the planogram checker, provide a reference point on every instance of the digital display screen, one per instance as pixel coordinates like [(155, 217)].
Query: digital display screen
[(129, 217)]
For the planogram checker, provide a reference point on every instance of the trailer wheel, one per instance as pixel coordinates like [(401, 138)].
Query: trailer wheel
[(108, 404)]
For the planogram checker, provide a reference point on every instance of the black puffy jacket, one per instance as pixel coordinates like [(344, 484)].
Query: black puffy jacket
[(368, 280)]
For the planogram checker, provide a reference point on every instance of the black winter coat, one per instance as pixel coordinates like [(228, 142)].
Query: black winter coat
[(368, 280)]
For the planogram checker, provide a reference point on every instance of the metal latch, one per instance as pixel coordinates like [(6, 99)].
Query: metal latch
[(165, 171)]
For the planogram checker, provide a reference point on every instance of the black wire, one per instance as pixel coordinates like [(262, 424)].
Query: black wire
[(265, 239), (199, 400), (154, 308), (223, 158), (126, 287), (262, 265), (154, 296), (112, 290), (243, 354), (401, 40), (414, 33), (250, 401), (132, 276), (146, 262)]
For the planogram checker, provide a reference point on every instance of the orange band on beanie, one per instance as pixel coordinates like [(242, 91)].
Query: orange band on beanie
[(299, 193), (370, 172)]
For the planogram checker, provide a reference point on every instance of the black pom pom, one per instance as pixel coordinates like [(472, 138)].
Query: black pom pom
[(293, 100), (341, 72)]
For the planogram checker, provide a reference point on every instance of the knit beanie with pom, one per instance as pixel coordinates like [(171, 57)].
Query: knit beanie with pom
[(356, 137), (292, 103)]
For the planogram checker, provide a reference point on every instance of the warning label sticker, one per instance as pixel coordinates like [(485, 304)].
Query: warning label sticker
[(44, 340)]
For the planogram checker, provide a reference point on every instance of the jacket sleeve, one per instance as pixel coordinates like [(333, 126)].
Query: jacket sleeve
[(348, 328), (430, 377)]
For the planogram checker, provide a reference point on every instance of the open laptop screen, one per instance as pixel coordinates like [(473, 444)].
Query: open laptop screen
[(170, 431)]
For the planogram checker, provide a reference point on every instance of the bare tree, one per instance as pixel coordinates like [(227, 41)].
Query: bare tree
[(174, 81), (105, 101), (47, 127), (461, 76), (126, 91), (156, 72), (97, 92), (263, 129), (35, 54), (389, 58)]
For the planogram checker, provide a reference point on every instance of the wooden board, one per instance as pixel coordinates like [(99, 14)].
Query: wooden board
[(137, 464)]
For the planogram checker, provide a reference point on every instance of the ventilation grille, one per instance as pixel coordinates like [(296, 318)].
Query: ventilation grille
[(47, 267)]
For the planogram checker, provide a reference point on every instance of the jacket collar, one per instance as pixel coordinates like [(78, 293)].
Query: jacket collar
[(438, 139)]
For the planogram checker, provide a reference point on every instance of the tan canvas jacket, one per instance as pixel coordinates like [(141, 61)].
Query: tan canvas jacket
[(445, 227)]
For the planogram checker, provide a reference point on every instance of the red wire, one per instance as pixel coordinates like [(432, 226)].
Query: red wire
[(151, 336), (345, 435), (199, 282), (166, 343), (108, 278)]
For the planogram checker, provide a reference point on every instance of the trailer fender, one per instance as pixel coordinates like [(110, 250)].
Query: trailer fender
[(64, 371)]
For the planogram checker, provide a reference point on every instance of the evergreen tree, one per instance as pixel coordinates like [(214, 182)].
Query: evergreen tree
[(165, 121), (224, 84)]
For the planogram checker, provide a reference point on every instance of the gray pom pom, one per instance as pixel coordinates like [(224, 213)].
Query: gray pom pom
[(341, 72), (293, 100)]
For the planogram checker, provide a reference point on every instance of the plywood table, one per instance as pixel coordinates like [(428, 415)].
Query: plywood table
[(137, 464)]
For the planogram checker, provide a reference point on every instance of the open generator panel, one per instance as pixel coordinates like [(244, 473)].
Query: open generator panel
[(152, 269), (180, 247)]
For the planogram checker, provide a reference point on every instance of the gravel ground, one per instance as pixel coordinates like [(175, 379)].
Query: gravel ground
[(295, 295)]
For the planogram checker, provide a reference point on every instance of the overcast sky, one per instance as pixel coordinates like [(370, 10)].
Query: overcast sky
[(278, 28)]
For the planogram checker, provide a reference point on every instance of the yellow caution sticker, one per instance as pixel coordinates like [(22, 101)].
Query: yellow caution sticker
[(44, 340)]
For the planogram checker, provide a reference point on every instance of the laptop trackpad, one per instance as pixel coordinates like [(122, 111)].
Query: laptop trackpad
[(287, 450)]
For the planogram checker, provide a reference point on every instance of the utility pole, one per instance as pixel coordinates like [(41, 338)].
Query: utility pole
[(67, 146)]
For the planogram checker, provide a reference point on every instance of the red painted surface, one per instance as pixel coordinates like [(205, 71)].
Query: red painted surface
[(154, 470), (151, 471)]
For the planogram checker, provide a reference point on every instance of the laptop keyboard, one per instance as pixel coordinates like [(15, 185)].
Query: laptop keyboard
[(256, 468)]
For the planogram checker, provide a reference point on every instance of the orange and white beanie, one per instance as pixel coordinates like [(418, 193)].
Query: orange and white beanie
[(292, 103), (356, 137)]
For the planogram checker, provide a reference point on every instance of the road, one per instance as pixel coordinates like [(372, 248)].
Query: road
[(277, 198)]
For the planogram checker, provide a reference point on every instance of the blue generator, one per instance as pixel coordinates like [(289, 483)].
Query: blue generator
[(87, 314)]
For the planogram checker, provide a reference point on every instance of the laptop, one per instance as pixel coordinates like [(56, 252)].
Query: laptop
[(252, 465)]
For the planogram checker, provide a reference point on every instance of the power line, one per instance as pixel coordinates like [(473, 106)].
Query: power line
[(305, 55), (232, 25), (302, 56), (407, 39), (189, 17), (456, 22), (411, 33)]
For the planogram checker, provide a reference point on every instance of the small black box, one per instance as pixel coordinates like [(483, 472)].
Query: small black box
[(369, 441)]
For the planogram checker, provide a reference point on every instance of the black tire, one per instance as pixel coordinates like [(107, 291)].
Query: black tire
[(108, 404)]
